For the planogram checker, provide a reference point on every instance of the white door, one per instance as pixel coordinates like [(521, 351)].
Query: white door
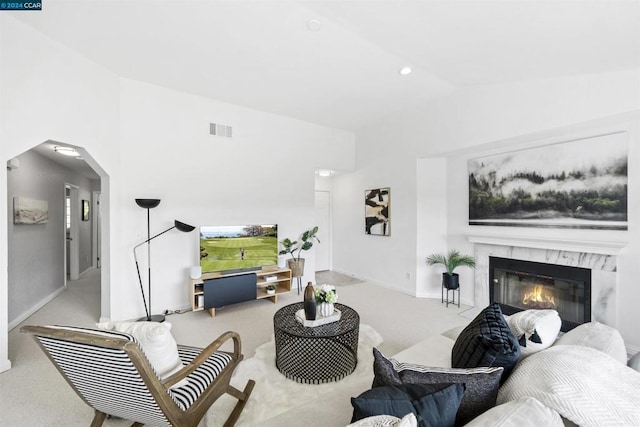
[(323, 220)]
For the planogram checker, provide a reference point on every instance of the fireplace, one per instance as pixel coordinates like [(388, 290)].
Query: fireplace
[(520, 285)]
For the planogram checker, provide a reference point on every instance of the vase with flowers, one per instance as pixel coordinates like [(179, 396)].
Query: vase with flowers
[(326, 296)]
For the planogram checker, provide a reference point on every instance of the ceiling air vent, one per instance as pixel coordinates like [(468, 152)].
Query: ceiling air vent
[(217, 129)]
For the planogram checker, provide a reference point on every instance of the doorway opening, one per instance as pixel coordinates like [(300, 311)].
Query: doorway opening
[(68, 245)]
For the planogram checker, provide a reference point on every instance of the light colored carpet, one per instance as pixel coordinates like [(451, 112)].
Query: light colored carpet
[(33, 393), (336, 279), (471, 313), (274, 394)]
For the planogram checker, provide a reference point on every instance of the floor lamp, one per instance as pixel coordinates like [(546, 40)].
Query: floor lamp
[(181, 226)]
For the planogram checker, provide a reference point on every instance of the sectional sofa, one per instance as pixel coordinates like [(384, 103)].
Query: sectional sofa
[(579, 378)]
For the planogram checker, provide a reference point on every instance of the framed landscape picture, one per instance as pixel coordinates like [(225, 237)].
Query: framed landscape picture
[(30, 211), (575, 184), (377, 221)]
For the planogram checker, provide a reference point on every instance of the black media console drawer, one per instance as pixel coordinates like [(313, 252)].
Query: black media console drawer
[(223, 291)]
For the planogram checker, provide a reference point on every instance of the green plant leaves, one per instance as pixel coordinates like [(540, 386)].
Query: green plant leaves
[(452, 260)]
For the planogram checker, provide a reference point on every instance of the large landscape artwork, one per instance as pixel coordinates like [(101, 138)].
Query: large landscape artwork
[(575, 184)]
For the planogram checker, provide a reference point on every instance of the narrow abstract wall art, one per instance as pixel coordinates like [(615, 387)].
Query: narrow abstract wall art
[(575, 184), (29, 211), (377, 221), (85, 210)]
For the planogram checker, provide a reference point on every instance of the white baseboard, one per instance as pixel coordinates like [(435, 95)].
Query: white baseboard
[(37, 306), (368, 279)]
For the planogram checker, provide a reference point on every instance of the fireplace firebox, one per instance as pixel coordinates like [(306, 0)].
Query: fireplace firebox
[(518, 285)]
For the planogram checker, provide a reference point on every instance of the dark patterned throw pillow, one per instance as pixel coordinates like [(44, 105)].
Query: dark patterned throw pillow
[(481, 384), (432, 404), (486, 341)]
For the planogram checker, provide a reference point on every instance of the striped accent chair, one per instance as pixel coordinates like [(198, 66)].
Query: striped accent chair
[(110, 372)]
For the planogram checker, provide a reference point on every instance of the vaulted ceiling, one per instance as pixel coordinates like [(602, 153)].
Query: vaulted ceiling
[(336, 62)]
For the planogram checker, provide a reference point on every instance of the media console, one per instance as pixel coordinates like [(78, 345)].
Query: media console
[(215, 290)]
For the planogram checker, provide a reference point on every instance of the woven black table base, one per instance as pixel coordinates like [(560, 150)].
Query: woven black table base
[(316, 355)]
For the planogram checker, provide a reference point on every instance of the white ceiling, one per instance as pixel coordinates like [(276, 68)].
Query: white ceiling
[(261, 54), (76, 164)]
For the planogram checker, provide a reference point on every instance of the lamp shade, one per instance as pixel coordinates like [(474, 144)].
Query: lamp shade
[(185, 228), (148, 203)]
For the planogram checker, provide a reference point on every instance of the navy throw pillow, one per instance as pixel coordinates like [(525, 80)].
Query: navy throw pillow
[(487, 341), (481, 384), (432, 404)]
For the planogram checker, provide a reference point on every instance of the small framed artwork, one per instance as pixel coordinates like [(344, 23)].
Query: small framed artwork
[(377, 220), (85, 210), (30, 211)]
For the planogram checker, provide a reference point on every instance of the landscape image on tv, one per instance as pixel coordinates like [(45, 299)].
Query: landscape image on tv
[(232, 247)]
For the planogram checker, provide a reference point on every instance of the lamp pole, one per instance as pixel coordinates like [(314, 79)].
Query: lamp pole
[(181, 226)]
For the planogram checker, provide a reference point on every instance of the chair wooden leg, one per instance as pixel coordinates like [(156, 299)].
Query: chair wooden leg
[(242, 397), (98, 419)]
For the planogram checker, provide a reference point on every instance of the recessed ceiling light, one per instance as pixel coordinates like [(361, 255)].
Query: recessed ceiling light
[(313, 25), (67, 151), (405, 71)]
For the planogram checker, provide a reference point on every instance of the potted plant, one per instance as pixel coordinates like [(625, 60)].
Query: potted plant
[(295, 248), (326, 296), (271, 289), (451, 261)]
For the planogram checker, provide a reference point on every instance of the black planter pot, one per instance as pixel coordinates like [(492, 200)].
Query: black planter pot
[(450, 281)]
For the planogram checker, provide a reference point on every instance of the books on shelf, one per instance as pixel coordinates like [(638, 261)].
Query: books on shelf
[(271, 278)]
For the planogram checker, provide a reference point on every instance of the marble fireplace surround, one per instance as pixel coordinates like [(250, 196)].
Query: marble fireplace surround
[(600, 257)]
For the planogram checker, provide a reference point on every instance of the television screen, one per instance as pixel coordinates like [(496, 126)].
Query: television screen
[(238, 247)]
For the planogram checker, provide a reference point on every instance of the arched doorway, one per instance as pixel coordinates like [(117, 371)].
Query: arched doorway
[(36, 253)]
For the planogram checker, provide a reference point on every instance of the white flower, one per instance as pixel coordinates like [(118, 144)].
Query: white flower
[(326, 293)]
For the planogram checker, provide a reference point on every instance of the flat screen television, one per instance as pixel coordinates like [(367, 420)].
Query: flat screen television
[(238, 247)]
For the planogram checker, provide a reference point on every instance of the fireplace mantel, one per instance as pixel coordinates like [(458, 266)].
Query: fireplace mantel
[(603, 247)]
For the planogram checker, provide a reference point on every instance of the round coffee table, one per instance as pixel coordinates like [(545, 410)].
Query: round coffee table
[(316, 355)]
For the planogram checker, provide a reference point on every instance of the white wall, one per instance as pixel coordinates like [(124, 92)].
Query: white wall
[(431, 229), (265, 174), (152, 142), (390, 260), (5, 364), (50, 93), (444, 132)]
